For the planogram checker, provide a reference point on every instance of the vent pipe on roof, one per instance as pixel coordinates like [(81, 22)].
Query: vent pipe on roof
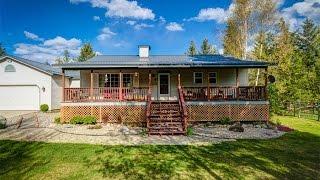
[(144, 51)]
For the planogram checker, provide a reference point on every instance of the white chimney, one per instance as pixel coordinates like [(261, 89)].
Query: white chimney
[(144, 51)]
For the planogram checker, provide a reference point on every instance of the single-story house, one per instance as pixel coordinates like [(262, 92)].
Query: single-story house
[(26, 84), (165, 92)]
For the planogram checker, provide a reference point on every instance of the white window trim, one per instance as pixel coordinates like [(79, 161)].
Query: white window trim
[(216, 77), (119, 77), (194, 77)]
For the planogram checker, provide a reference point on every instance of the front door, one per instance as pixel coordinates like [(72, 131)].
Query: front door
[(163, 86)]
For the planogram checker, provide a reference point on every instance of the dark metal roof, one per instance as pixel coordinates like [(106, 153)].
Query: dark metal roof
[(163, 61), (43, 67)]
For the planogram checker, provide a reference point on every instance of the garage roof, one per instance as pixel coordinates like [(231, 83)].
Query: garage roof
[(43, 67)]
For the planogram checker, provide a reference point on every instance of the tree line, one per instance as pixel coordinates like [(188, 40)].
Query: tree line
[(295, 55)]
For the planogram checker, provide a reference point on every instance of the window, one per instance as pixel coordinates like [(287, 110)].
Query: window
[(9, 68), (212, 77), (113, 80), (127, 80), (197, 77), (102, 80)]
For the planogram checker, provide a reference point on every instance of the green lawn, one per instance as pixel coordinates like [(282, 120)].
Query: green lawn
[(293, 156)]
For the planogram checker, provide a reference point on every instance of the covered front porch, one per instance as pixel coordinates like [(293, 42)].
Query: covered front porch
[(108, 85)]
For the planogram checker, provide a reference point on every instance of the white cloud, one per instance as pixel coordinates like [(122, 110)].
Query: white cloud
[(32, 36), (49, 50), (131, 22), (162, 20), (173, 26), (105, 33), (295, 14), (96, 18), (142, 26), (219, 15), (121, 8)]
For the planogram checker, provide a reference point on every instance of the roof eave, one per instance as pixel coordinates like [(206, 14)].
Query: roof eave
[(26, 64)]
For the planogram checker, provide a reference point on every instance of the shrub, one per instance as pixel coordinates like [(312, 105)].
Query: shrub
[(225, 120), (89, 120), (83, 120), (77, 120), (2, 125), (44, 107), (57, 120), (189, 131), (143, 132)]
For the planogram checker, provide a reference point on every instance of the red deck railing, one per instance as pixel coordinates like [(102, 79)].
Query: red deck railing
[(105, 94), (183, 109), (248, 93)]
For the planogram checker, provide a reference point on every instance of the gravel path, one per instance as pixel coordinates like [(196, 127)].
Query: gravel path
[(115, 134)]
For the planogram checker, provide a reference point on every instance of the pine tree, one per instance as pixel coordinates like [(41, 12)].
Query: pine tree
[(308, 42), (284, 71), (207, 48), (86, 52), (192, 49), (2, 50)]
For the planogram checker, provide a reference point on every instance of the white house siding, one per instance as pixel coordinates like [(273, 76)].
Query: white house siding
[(56, 87), (225, 77), (25, 76), (75, 83)]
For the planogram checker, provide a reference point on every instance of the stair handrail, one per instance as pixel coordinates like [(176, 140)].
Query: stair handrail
[(148, 105), (183, 107)]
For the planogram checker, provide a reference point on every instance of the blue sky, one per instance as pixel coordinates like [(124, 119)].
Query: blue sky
[(41, 30)]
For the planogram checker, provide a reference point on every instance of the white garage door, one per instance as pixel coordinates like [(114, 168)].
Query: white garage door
[(19, 98)]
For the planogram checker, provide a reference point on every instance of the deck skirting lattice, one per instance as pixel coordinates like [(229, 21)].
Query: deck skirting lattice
[(236, 112), (106, 114), (197, 112)]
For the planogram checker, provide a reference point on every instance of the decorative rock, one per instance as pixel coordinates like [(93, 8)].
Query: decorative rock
[(237, 127), (67, 126), (124, 130)]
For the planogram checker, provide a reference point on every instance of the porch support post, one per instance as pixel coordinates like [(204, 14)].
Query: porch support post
[(120, 86), (179, 80), (208, 86), (237, 81), (266, 82), (150, 77), (63, 85), (91, 84)]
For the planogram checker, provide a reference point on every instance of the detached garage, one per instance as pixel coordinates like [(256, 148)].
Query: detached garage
[(26, 84)]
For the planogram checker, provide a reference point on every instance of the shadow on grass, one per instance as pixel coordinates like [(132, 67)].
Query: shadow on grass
[(19, 156), (293, 156)]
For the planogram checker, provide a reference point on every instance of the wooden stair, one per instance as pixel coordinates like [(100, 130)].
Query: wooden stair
[(165, 118)]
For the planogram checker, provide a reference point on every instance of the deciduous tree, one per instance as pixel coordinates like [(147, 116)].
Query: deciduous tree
[(86, 52)]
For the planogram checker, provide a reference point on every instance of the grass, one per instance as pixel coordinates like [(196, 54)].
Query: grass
[(295, 155)]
